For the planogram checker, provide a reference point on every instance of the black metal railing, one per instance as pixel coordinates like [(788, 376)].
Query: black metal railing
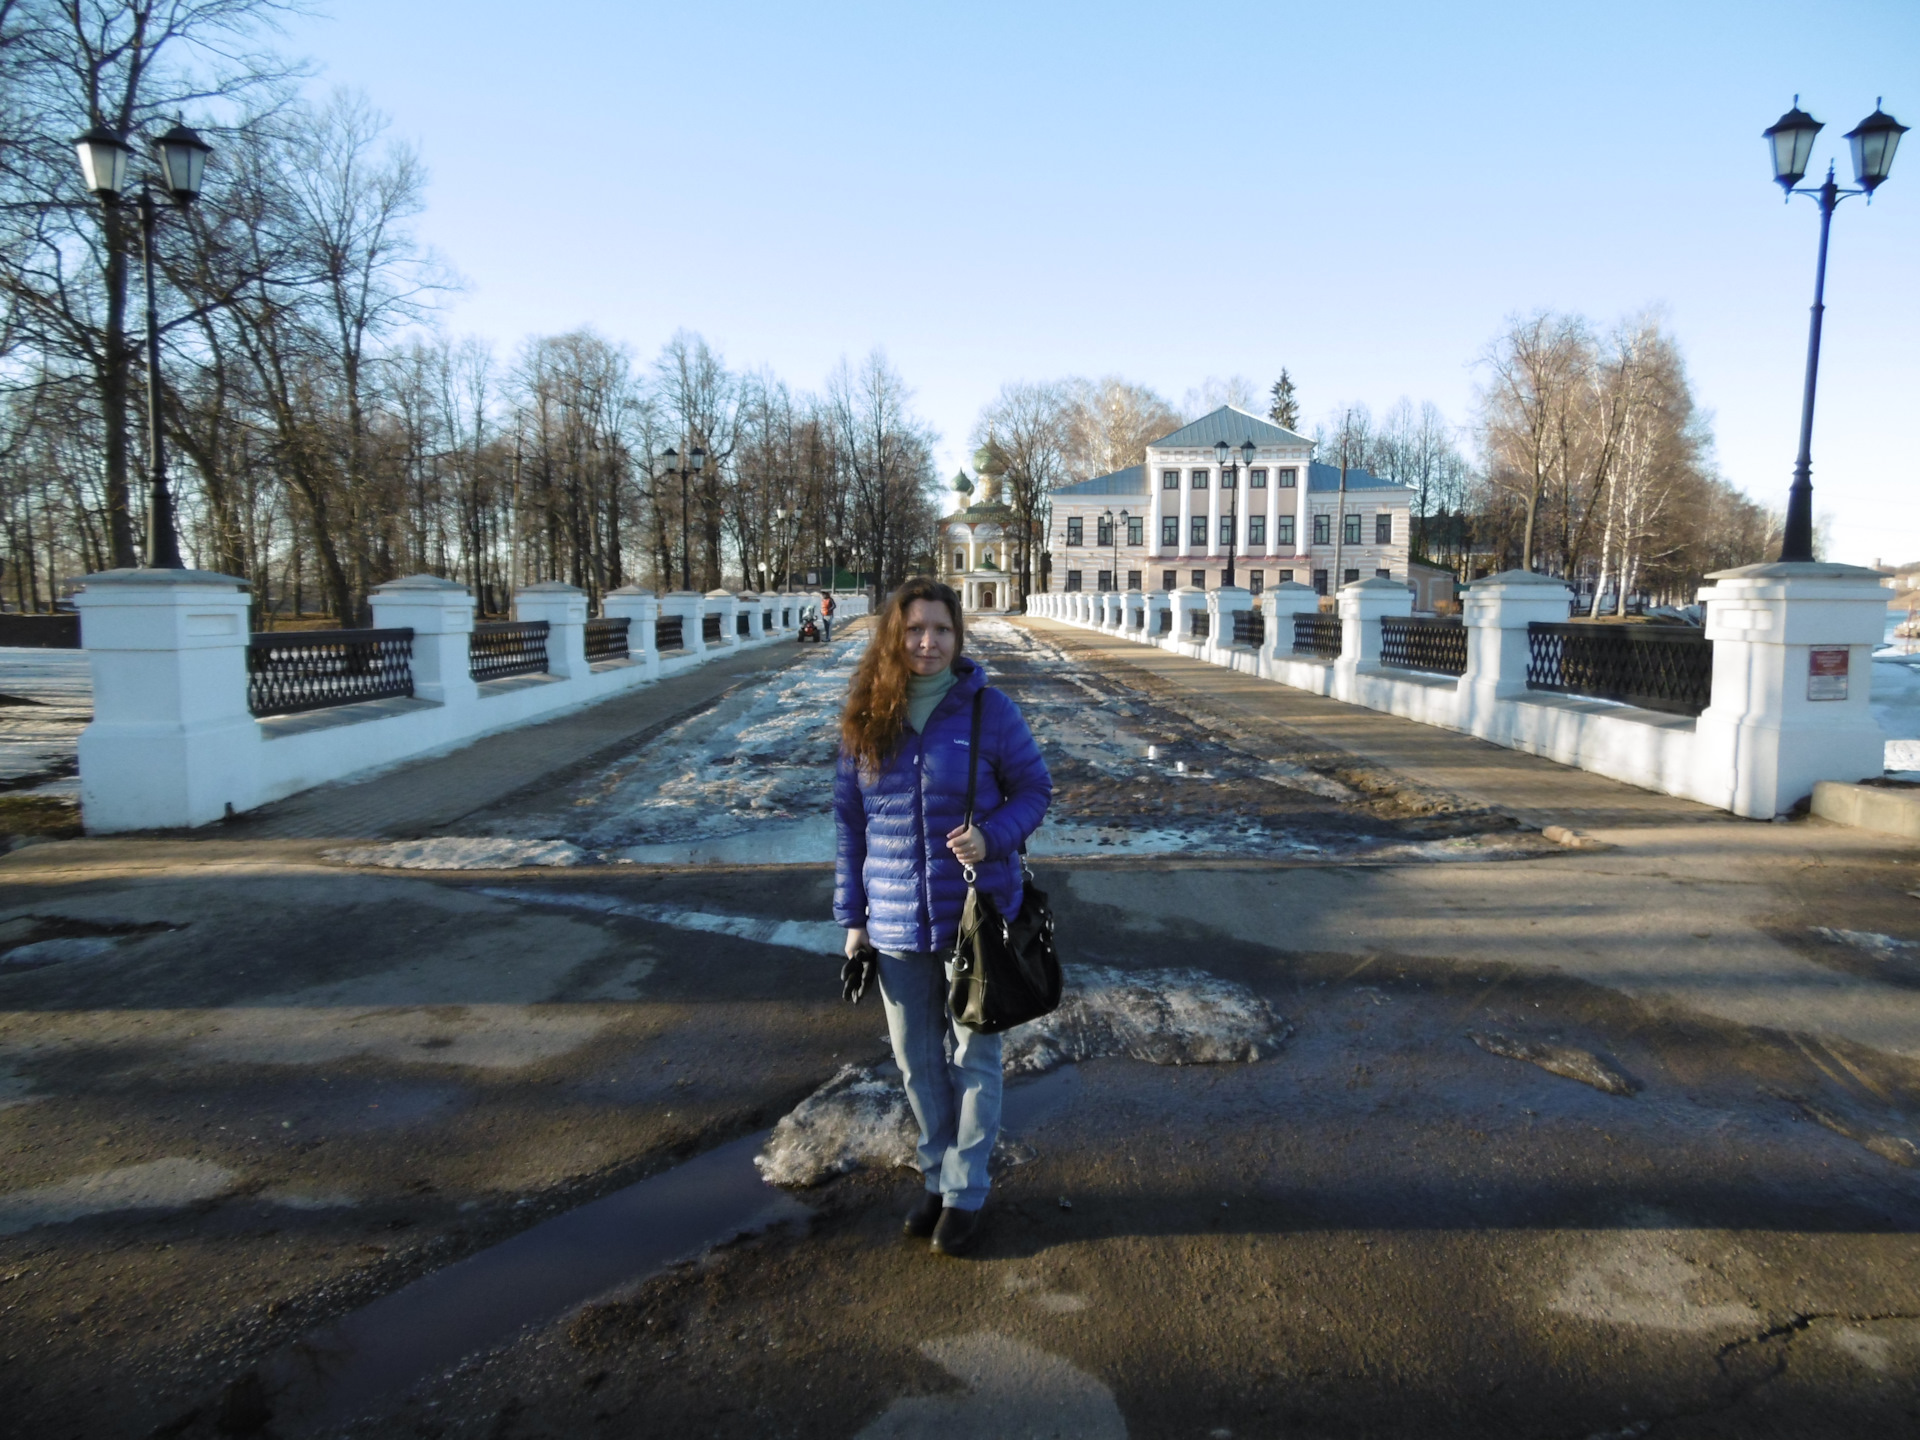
[(743, 623), (1657, 667), (1436, 646), (669, 632), (710, 629), (607, 637), (1199, 625), (1166, 623), (766, 622), (1317, 635), (513, 647), (1138, 619), (1249, 628), (292, 671)]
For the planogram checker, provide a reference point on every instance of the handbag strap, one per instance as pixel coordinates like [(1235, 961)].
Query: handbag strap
[(973, 782)]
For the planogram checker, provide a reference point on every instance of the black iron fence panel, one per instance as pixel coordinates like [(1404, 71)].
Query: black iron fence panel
[(1438, 647), (514, 647), (1249, 628), (1166, 623), (1199, 624), (1317, 635), (743, 623), (607, 637), (1138, 619), (669, 632), (710, 629), (292, 671), (766, 621), (1657, 667)]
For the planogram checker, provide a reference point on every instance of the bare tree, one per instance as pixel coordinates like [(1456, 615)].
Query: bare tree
[(1537, 369)]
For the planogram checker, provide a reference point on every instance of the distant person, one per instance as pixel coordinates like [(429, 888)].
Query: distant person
[(826, 614), (902, 849)]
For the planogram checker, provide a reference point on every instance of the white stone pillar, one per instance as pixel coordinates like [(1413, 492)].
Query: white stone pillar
[(1186, 602), (172, 742), (440, 614), (1280, 604), (1133, 607), (1496, 612), (1792, 677), (724, 604), (690, 607), (642, 612), (1362, 604), (1159, 606), (564, 608), (1222, 605), (756, 621)]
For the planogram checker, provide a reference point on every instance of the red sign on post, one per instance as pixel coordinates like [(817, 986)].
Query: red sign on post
[(1827, 672)]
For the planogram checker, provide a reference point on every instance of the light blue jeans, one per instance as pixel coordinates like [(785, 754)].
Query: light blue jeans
[(952, 1076)]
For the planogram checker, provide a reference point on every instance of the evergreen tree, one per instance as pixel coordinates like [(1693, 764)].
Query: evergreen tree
[(1285, 410)]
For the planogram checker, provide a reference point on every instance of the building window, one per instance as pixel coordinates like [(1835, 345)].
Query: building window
[(1286, 577), (1350, 577), (1383, 528), (1256, 479), (1075, 534), (1197, 530), (1226, 529), (1229, 477), (1289, 479), (1256, 530), (1169, 479), (1285, 531), (1136, 529), (1103, 531), (959, 559), (1105, 582), (1073, 579), (1199, 479), (1168, 578), (1199, 579), (1169, 529), (1256, 582), (1351, 530), (1133, 579), (1383, 574), (1319, 582), (1323, 532)]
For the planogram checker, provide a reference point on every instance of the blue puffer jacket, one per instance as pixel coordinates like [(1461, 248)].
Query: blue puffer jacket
[(893, 872)]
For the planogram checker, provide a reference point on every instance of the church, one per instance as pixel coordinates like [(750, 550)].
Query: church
[(980, 542)]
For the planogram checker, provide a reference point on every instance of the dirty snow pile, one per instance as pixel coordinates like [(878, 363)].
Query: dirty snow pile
[(1562, 1060), (46, 697), (1165, 1017), (461, 852)]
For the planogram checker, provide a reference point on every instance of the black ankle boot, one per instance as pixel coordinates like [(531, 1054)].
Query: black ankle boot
[(924, 1216), (956, 1231)]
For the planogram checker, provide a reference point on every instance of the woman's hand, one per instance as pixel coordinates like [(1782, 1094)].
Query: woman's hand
[(968, 845), (856, 940)]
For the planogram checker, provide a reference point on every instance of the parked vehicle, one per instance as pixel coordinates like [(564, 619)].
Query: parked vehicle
[(809, 627)]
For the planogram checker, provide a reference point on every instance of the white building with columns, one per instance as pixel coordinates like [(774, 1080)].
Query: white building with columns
[(1229, 480)]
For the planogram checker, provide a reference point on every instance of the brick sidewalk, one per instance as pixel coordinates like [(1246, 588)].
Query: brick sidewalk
[(425, 795), (1535, 791)]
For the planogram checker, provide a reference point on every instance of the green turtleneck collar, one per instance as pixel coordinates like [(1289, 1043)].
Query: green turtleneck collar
[(924, 694)]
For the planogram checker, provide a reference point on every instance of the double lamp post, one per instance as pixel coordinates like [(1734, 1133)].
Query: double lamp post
[(1790, 139), (105, 159)]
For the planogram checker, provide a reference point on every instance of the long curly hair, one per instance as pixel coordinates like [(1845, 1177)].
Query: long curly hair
[(876, 713)]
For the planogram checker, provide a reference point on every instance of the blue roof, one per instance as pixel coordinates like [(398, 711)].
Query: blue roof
[(1130, 481), (1231, 425), (1327, 477)]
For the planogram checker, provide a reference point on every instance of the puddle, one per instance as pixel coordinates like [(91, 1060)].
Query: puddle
[(363, 1362)]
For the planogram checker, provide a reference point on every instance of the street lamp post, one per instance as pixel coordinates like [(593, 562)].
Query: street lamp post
[(1233, 519), (696, 463), (182, 156), (1790, 139), (1113, 533)]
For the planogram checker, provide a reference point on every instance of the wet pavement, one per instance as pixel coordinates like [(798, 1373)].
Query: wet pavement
[(1610, 1142)]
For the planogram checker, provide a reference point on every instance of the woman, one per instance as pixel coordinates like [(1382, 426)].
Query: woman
[(900, 801)]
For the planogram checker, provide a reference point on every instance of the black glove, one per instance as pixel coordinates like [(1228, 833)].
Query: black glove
[(858, 973)]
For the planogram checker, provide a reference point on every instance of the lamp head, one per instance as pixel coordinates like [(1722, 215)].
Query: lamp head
[(672, 458), (1790, 141), (183, 163), (103, 162), (1874, 140), (1220, 451), (1246, 451)]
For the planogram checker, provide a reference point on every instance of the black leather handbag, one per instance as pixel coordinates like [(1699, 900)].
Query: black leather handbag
[(1005, 972)]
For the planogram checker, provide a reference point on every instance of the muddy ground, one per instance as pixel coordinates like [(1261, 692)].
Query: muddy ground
[(245, 1092)]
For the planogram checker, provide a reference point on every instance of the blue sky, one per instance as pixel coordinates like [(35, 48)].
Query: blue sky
[(1359, 192)]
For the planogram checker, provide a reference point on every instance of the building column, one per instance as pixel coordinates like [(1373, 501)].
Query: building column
[(1213, 515)]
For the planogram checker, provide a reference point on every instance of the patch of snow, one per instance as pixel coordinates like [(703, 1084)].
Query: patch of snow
[(861, 1118), (1896, 706), (55, 952), (1632, 1278), (1880, 947), (805, 841), (1562, 1060), (462, 852), (43, 735), (819, 937), (169, 1184), (1165, 1017)]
